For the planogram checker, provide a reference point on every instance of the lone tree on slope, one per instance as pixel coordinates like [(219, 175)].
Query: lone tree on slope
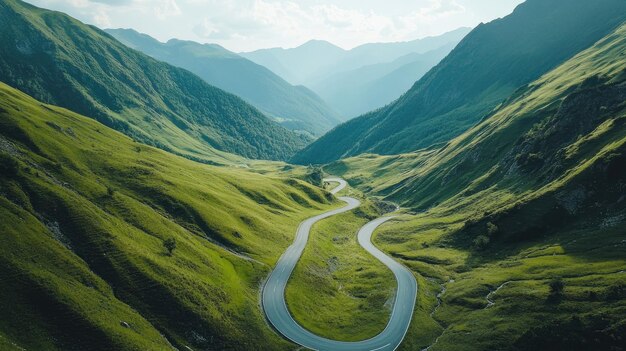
[(169, 245)]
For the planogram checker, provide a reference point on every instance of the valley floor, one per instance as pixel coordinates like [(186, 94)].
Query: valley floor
[(387, 338)]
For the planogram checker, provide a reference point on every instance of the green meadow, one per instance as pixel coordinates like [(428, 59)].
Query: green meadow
[(85, 212), (338, 290)]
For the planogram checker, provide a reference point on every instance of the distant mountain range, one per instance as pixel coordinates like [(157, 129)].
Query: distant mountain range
[(295, 107), (299, 65), (370, 87), (364, 78), (493, 61), (59, 60), (318, 59)]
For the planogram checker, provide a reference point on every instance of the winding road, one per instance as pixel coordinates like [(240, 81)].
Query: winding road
[(273, 297)]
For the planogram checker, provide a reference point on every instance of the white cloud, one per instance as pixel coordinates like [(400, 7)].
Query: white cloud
[(441, 8), (166, 8), (101, 19), (293, 23), (114, 2), (250, 24)]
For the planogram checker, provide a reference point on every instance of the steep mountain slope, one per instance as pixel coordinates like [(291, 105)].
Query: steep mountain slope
[(365, 89), (519, 222), (296, 108), (319, 60), (567, 119), (84, 213), (60, 60), (486, 67)]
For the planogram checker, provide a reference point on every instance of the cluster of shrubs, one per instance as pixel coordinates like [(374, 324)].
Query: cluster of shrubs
[(8, 166), (170, 245), (557, 291), (482, 241), (315, 175), (530, 161), (573, 334)]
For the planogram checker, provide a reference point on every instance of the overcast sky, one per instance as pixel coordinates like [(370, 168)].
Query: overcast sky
[(245, 25)]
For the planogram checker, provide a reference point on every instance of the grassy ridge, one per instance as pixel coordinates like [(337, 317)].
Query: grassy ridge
[(493, 61), (544, 135), (84, 211), (61, 61), (533, 193), (515, 277), (45, 285), (294, 107)]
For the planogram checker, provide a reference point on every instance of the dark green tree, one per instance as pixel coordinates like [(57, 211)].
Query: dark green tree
[(557, 287), (170, 245), (481, 242), (110, 191), (8, 165)]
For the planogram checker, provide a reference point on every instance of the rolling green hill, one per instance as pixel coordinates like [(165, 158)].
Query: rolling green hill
[(84, 213), (519, 222), (492, 62), (62, 61), (295, 107)]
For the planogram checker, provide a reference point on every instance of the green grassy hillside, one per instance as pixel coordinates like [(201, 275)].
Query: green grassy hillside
[(84, 214), (61, 61), (515, 229), (294, 107), (537, 137), (518, 224), (490, 64)]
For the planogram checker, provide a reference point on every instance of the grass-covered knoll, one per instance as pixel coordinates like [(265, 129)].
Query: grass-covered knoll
[(500, 297), (338, 290), (295, 107), (61, 61), (84, 214), (376, 174), (489, 64), (521, 219)]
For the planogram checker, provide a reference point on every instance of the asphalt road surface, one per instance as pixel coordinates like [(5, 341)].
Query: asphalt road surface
[(273, 298)]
